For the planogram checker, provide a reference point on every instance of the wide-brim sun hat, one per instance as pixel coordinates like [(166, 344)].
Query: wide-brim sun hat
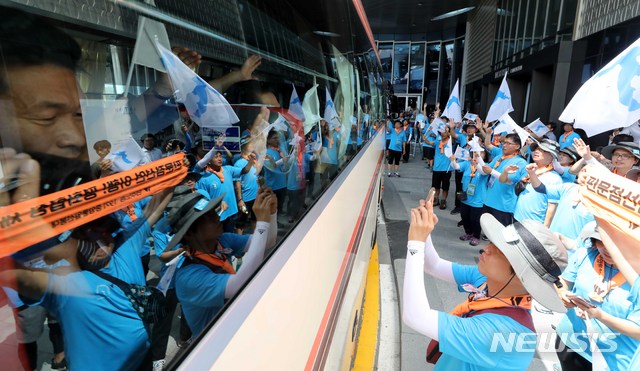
[(634, 148), (571, 152), (184, 209), (590, 230), (547, 145), (536, 255), (470, 123)]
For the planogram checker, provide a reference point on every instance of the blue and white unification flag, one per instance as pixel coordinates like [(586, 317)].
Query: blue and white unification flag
[(295, 104), (611, 98), (538, 128), (513, 127), (125, 155), (311, 108), (453, 109), (330, 113), (501, 103), (206, 106)]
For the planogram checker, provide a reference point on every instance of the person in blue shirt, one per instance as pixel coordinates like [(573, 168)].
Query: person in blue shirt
[(247, 186), (473, 186), (442, 167), (500, 199), (219, 180), (406, 149), (207, 278), (101, 328), (567, 157), (532, 205), (397, 138), (462, 136), (522, 262), (276, 167), (566, 139), (592, 283), (428, 145)]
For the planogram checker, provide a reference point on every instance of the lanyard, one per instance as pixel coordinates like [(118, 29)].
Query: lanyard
[(602, 287)]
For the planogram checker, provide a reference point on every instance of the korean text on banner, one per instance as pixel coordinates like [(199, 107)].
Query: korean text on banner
[(614, 199), (27, 223)]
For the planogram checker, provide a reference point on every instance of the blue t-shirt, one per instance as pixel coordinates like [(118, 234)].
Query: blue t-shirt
[(571, 214), (161, 237), (430, 136), (475, 192), (569, 141), (501, 196), (466, 343), (573, 329), (532, 205), (441, 162), (215, 188), (634, 298), (567, 177), (248, 181), (275, 175), (96, 316), (200, 291), (396, 140), (331, 148), (126, 222)]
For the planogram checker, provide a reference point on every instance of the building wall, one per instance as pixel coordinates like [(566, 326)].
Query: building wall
[(597, 15), (480, 39)]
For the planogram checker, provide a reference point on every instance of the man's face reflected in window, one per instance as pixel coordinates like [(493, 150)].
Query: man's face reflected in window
[(46, 99)]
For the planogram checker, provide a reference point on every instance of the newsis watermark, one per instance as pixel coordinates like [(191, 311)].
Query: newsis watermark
[(545, 342)]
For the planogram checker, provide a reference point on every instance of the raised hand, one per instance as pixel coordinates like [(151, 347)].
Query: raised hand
[(249, 66), (511, 169), (582, 148), (21, 179), (423, 219)]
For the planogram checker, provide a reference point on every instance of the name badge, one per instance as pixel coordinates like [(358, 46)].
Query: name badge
[(471, 189)]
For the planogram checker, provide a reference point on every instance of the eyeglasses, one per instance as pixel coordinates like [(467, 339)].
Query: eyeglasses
[(623, 156)]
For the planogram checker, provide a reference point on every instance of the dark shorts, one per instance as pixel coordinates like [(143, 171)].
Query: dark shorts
[(394, 157), (441, 180), (429, 152)]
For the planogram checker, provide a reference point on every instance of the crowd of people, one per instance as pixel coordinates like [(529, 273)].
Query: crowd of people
[(98, 286), (543, 245)]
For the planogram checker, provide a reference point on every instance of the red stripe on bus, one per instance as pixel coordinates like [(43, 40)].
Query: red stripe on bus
[(341, 275)]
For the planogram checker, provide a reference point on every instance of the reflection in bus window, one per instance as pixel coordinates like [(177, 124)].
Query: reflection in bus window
[(134, 181)]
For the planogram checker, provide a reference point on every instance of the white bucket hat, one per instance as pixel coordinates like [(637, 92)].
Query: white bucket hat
[(536, 255)]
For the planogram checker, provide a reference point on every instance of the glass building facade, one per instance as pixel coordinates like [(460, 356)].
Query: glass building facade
[(525, 27), (421, 72)]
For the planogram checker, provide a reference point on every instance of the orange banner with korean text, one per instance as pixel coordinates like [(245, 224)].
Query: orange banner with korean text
[(614, 199), (27, 223)]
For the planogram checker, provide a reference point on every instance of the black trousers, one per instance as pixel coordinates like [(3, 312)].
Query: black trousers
[(458, 178), (471, 219), (441, 180), (407, 149), (503, 217), (161, 330)]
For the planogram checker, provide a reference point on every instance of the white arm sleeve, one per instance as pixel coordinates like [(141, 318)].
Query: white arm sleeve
[(205, 160), (593, 161), (434, 265), (557, 167), (455, 165), (251, 260), (416, 312), (272, 235), (495, 173)]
